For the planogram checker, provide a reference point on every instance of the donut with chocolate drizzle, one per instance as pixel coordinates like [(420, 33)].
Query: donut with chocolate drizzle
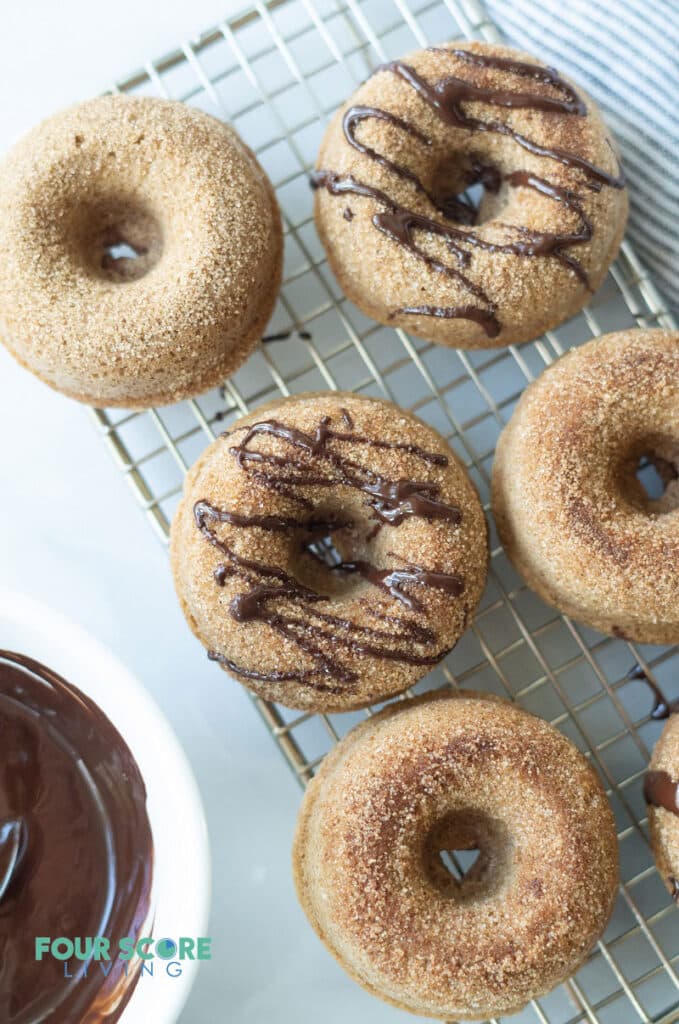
[(405, 150), (329, 550)]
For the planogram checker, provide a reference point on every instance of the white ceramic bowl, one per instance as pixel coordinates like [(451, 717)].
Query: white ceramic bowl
[(181, 874)]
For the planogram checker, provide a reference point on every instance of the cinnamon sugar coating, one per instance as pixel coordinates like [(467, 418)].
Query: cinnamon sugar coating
[(571, 513), (453, 772), (664, 825), (182, 190), (419, 141), (249, 537)]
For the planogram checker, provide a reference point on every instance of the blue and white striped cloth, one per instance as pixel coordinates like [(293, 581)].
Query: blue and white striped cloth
[(625, 53)]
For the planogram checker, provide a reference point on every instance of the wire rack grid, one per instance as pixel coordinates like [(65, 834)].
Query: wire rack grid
[(276, 73)]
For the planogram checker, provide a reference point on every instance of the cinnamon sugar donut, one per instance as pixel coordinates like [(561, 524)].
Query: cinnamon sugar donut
[(456, 773), (661, 790), (571, 513), (95, 184), (329, 550), (406, 245)]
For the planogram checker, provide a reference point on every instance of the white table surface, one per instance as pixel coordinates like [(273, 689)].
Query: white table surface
[(72, 535)]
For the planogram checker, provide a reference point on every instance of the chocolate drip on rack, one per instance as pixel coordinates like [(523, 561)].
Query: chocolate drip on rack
[(267, 339), (661, 790), (296, 612), (662, 707), (400, 223), (674, 882)]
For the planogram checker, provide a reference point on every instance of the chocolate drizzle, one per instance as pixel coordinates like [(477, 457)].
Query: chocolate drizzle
[(662, 707), (296, 612), (400, 224), (448, 205), (570, 104), (346, 419), (446, 97), (76, 849), (393, 580), (391, 501), (661, 790), (674, 884)]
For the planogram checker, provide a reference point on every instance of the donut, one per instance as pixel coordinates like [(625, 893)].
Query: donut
[(572, 515), (328, 550), (661, 791), (116, 176), (454, 773), (406, 244)]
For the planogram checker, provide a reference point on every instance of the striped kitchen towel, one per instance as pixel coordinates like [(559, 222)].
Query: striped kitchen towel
[(625, 53)]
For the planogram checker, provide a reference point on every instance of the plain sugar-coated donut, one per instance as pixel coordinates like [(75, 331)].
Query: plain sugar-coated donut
[(84, 191), (571, 513), (412, 252), (329, 550), (661, 789), (453, 773)]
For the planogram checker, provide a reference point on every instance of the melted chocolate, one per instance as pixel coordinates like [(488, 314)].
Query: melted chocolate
[(76, 851), (674, 882), (662, 707), (486, 175), (295, 611), (446, 97), (395, 500), (661, 790)]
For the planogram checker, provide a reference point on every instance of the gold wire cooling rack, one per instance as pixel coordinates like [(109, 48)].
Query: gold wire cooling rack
[(276, 73)]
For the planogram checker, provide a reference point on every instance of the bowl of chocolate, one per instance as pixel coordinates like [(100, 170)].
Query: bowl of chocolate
[(104, 862)]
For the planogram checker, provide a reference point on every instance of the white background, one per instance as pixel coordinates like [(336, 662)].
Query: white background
[(72, 535)]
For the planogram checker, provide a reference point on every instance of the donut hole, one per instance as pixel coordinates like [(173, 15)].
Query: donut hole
[(120, 241), (325, 552), (468, 855), (649, 476), (329, 562), (459, 863), (467, 189)]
